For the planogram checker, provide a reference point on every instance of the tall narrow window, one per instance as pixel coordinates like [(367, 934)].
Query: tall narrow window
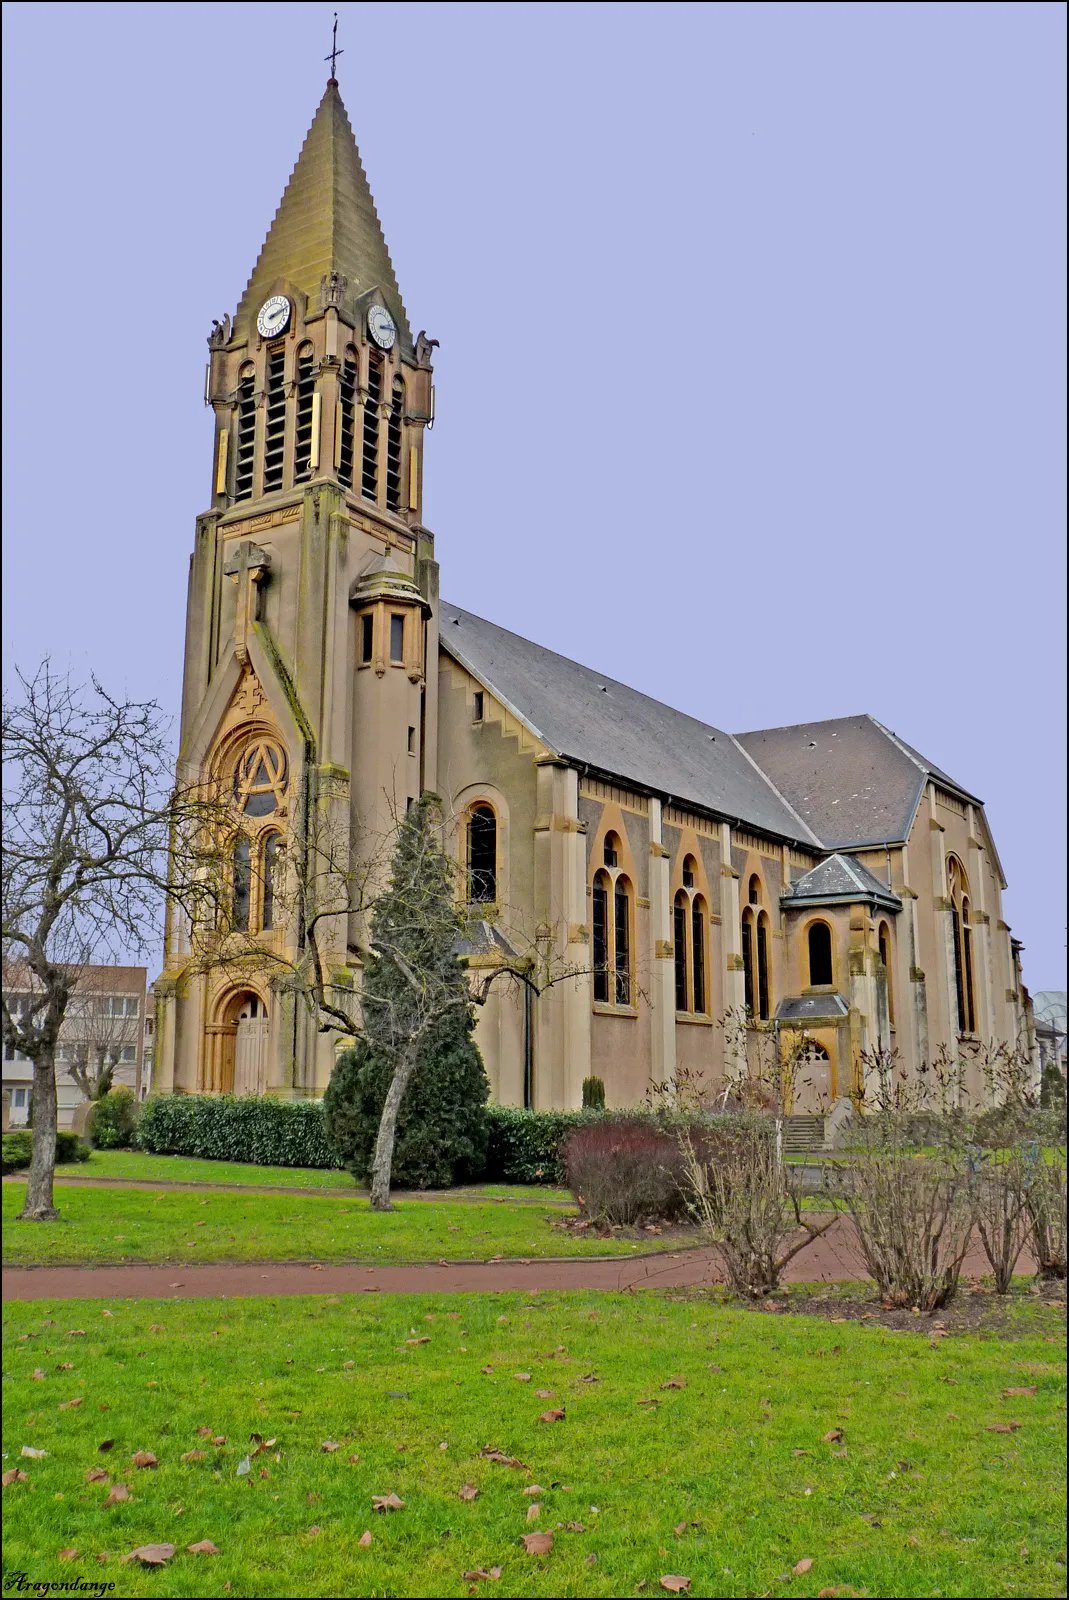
[(482, 856), (612, 850), (367, 636), (246, 437), (679, 941), (302, 445), (753, 894), (623, 942), (369, 475), (747, 961), (394, 434), (820, 966), (958, 885), (967, 984), (600, 919), (346, 423), (697, 920), (885, 959), (762, 968), (267, 920), (242, 885), (397, 637), (275, 429)]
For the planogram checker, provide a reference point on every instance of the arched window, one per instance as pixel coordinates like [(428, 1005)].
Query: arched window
[(748, 960), (884, 942), (260, 778), (600, 933), (690, 868), (482, 855), (611, 855), (820, 963), (270, 877), (698, 947), (275, 425), (680, 946), (241, 885), (394, 436), (246, 438), (345, 425), (763, 986), (622, 931), (302, 444), (958, 885), (753, 894), (369, 476)]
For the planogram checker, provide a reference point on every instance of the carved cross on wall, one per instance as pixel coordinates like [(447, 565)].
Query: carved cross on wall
[(248, 566)]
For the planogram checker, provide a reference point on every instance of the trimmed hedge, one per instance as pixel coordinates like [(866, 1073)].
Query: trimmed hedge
[(525, 1146), (270, 1133), (112, 1119), (18, 1149)]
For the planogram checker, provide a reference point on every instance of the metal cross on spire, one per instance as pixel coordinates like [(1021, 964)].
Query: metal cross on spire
[(334, 52)]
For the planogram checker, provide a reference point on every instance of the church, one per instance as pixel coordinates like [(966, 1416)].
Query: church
[(825, 885)]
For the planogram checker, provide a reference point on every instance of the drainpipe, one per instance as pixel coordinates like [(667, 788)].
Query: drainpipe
[(528, 1049)]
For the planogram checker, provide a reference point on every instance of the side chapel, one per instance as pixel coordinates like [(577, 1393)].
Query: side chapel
[(826, 877)]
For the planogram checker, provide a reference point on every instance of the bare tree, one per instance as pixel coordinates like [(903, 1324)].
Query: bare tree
[(98, 1027), (89, 813)]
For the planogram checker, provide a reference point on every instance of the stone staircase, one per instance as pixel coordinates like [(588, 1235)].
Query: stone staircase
[(801, 1134)]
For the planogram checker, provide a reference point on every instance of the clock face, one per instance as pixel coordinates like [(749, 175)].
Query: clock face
[(381, 327), (273, 317)]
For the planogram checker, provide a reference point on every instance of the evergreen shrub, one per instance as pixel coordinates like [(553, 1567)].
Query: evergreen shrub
[(18, 1149), (112, 1119), (267, 1132), (593, 1094), (525, 1146)]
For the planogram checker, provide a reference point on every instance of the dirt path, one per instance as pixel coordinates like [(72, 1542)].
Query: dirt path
[(833, 1259), (178, 1186)]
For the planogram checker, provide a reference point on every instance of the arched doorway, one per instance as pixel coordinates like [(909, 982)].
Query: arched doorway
[(236, 1046), (813, 1088)]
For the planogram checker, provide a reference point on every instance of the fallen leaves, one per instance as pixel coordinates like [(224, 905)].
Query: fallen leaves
[(538, 1544), (801, 1452), (467, 1491), (328, 1447), (70, 1405), (489, 1453), (1029, 1390), (556, 1415), (33, 1453), (151, 1555), (522, 1377), (480, 1574), (1003, 1427), (364, 1539), (143, 1458), (832, 1436), (14, 1475), (38, 1373), (534, 1511), (105, 1445), (117, 1492), (386, 1502), (803, 1566), (675, 1383), (67, 1555), (96, 1475), (203, 1547), (674, 1582), (544, 1394), (194, 1455)]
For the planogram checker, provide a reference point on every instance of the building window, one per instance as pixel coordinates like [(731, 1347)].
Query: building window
[(748, 960), (411, 741), (884, 942), (482, 855), (260, 779), (302, 443), (689, 868), (242, 885), (753, 895), (622, 953), (128, 1054), (477, 702), (763, 987), (394, 435), (397, 638), (346, 423), (271, 850), (958, 885), (369, 475), (367, 636), (246, 434), (698, 946), (820, 963), (679, 941), (611, 855), (600, 930), (275, 426)]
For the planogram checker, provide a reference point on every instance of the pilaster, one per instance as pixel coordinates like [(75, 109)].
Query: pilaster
[(563, 1011), (661, 955)]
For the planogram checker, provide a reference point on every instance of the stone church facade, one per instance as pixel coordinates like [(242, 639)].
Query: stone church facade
[(825, 880)]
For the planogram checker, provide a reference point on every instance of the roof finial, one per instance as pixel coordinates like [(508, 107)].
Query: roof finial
[(334, 52)]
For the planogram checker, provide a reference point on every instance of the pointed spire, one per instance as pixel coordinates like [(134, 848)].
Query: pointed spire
[(326, 222)]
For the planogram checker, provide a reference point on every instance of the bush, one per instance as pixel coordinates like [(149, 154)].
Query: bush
[(112, 1119), (525, 1146), (18, 1149), (441, 1127), (1046, 1206), (1016, 1124), (274, 1133), (1052, 1089), (593, 1094), (625, 1171)]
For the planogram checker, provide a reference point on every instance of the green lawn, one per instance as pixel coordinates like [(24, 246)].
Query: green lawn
[(113, 1225), (918, 1498), (144, 1168)]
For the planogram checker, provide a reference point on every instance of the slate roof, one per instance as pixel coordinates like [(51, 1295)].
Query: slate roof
[(838, 879), (851, 779), (326, 221), (593, 720)]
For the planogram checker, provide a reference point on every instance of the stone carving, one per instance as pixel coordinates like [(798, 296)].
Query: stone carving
[(250, 696), (220, 334), (424, 346), (332, 287)]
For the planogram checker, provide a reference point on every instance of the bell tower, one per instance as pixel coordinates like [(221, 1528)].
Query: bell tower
[(312, 607)]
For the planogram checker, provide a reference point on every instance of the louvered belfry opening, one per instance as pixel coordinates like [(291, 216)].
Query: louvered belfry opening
[(394, 431), (369, 481), (346, 419), (246, 441), (275, 434), (302, 449)]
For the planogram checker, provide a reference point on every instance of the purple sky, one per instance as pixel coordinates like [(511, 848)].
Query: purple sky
[(750, 388)]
